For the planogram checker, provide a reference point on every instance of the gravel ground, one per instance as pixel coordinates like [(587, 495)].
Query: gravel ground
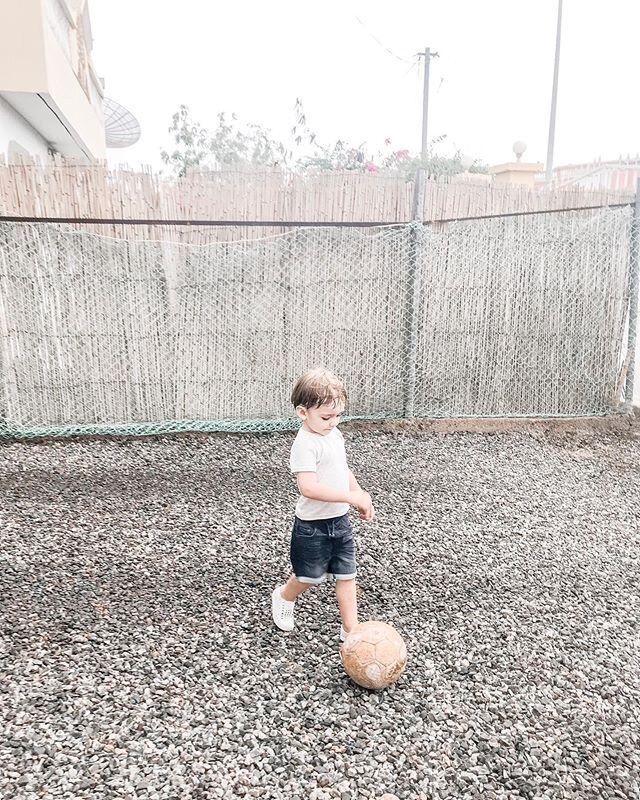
[(138, 658)]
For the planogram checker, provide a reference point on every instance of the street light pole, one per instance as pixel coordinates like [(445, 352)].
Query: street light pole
[(554, 98)]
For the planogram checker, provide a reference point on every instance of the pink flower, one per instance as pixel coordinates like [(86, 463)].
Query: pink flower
[(371, 167)]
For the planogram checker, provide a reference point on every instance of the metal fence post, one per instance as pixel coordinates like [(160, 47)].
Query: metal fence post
[(634, 267), (412, 294)]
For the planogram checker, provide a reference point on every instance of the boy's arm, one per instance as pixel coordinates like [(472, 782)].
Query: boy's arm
[(354, 486), (365, 513), (310, 487)]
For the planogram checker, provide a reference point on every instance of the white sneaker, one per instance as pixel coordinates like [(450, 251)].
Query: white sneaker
[(282, 610), (343, 634)]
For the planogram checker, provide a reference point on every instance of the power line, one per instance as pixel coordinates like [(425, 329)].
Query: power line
[(415, 63), (384, 47)]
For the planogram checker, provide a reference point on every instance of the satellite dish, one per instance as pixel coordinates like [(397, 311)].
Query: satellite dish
[(121, 128)]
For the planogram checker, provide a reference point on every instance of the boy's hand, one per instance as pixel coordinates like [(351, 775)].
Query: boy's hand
[(368, 514), (362, 501)]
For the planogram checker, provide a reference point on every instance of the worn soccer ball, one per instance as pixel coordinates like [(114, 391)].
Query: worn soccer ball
[(374, 654)]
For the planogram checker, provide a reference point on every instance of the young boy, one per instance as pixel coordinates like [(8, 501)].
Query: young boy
[(322, 539)]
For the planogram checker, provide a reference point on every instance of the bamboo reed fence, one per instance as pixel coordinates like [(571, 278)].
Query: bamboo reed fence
[(63, 189)]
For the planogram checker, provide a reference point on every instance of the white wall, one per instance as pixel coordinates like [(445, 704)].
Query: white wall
[(15, 129), (37, 78)]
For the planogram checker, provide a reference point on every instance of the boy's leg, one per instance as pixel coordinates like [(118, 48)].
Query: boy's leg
[(310, 553), (283, 601), (293, 589), (347, 603), (344, 568)]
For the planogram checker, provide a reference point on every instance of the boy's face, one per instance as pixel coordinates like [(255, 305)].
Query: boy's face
[(321, 419)]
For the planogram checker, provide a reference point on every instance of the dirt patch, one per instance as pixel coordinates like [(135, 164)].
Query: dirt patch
[(624, 423)]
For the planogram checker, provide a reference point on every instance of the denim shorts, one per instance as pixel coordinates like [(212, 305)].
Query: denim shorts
[(321, 547)]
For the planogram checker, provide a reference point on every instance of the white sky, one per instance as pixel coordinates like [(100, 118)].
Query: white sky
[(490, 85)]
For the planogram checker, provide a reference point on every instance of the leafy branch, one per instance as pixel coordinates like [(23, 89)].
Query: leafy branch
[(231, 145)]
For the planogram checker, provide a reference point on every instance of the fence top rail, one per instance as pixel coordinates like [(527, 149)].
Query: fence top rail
[(231, 223), (297, 223)]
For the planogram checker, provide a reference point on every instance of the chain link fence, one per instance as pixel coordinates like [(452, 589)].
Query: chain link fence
[(510, 316)]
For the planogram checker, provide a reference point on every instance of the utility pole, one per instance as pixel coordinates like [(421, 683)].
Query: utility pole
[(554, 98), (427, 55), (415, 244)]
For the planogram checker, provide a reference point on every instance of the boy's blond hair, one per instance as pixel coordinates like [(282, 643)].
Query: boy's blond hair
[(318, 387)]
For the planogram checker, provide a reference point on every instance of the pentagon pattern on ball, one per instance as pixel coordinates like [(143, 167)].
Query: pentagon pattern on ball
[(374, 654)]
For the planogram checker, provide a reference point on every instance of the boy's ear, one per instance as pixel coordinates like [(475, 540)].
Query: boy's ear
[(301, 412)]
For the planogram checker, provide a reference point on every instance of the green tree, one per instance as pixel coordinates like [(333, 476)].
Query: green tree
[(342, 156), (228, 145), (232, 145), (434, 165)]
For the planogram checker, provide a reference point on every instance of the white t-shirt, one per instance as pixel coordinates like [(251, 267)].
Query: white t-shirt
[(324, 455)]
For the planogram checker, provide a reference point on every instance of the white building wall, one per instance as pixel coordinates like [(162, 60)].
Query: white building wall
[(45, 75), (17, 136)]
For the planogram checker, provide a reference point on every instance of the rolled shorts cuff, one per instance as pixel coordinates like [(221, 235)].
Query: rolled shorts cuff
[(313, 581), (342, 577)]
